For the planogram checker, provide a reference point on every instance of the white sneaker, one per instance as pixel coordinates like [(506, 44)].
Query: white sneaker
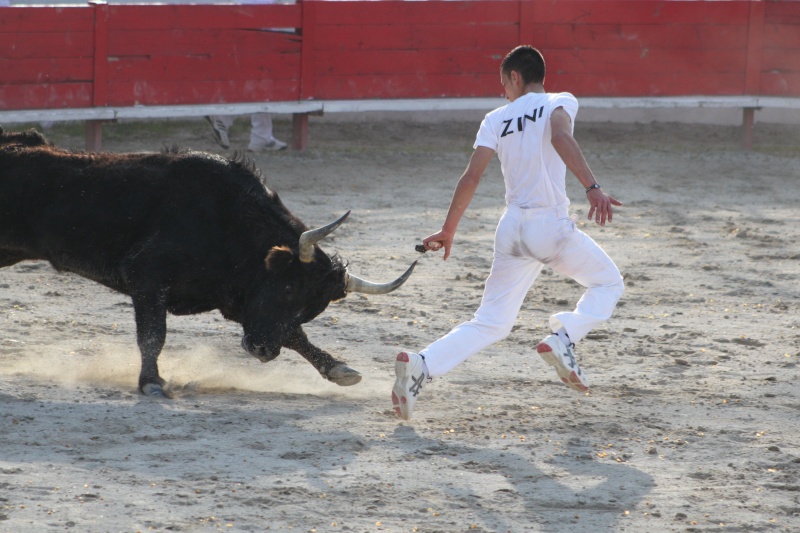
[(409, 369), (220, 131), (562, 358), (273, 146)]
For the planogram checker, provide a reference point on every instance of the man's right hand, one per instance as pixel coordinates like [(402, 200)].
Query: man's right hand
[(437, 241)]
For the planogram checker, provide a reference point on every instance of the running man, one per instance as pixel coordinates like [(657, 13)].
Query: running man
[(532, 136)]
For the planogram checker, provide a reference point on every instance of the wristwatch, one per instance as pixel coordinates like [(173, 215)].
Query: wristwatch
[(595, 186)]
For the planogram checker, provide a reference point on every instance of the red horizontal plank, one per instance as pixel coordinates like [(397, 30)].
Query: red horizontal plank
[(621, 36), (786, 36), (644, 62), (663, 84), (407, 86), (45, 70), (411, 37), (403, 62), (154, 17), (421, 13), (782, 12), (44, 45), (180, 93), (178, 42), (777, 59), (593, 61), (638, 12), (44, 19), (203, 68), (780, 84), (45, 96)]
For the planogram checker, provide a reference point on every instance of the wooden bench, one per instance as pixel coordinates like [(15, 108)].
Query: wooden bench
[(748, 104), (94, 118)]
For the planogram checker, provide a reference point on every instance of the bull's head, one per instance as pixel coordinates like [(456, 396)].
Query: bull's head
[(301, 286)]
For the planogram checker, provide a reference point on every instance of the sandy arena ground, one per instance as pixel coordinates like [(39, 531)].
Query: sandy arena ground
[(691, 424)]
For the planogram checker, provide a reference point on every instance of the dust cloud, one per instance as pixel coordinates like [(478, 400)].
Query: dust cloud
[(199, 369)]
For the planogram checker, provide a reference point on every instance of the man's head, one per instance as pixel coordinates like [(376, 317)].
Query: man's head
[(528, 64)]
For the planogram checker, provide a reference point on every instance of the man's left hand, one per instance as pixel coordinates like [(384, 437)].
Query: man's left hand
[(600, 206)]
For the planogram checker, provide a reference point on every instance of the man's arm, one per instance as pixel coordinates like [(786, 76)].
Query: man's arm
[(465, 190), (567, 148)]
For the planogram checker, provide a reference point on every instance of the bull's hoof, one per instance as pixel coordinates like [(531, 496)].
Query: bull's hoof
[(343, 375), (155, 391)]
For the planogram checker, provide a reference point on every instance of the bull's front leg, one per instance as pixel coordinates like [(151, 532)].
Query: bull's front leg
[(336, 371), (151, 332)]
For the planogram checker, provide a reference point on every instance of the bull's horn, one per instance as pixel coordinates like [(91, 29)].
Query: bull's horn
[(356, 284), (309, 238)]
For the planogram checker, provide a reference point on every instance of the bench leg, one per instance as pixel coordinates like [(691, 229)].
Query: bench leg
[(300, 131), (748, 119), (94, 135)]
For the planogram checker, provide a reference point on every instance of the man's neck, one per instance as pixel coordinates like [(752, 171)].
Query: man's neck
[(534, 88), (531, 88)]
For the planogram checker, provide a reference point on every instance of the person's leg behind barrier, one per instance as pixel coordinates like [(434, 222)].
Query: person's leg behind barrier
[(261, 136), (220, 124)]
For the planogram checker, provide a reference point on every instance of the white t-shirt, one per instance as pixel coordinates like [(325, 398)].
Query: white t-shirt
[(520, 133)]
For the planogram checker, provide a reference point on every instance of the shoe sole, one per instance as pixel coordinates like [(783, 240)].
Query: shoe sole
[(569, 377), (267, 149), (399, 399)]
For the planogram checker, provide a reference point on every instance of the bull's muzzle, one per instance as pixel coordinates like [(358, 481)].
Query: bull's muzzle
[(264, 354)]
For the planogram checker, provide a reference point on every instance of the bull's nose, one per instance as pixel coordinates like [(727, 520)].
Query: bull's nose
[(262, 353)]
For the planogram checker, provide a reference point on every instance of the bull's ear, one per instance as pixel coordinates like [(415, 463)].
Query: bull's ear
[(279, 258)]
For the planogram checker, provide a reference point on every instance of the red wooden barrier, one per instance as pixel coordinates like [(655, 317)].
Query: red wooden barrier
[(412, 49), (780, 60), (197, 54), (46, 57), (146, 55), (644, 48)]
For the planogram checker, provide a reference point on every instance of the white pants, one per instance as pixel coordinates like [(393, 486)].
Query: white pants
[(525, 241), (260, 128)]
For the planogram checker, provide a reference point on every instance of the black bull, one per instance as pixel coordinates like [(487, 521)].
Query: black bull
[(180, 232)]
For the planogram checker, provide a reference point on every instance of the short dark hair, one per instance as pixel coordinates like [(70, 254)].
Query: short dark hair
[(526, 60)]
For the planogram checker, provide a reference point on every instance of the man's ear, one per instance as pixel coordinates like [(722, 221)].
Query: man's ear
[(279, 258)]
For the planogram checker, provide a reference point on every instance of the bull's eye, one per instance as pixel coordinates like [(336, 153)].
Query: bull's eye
[(288, 291)]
